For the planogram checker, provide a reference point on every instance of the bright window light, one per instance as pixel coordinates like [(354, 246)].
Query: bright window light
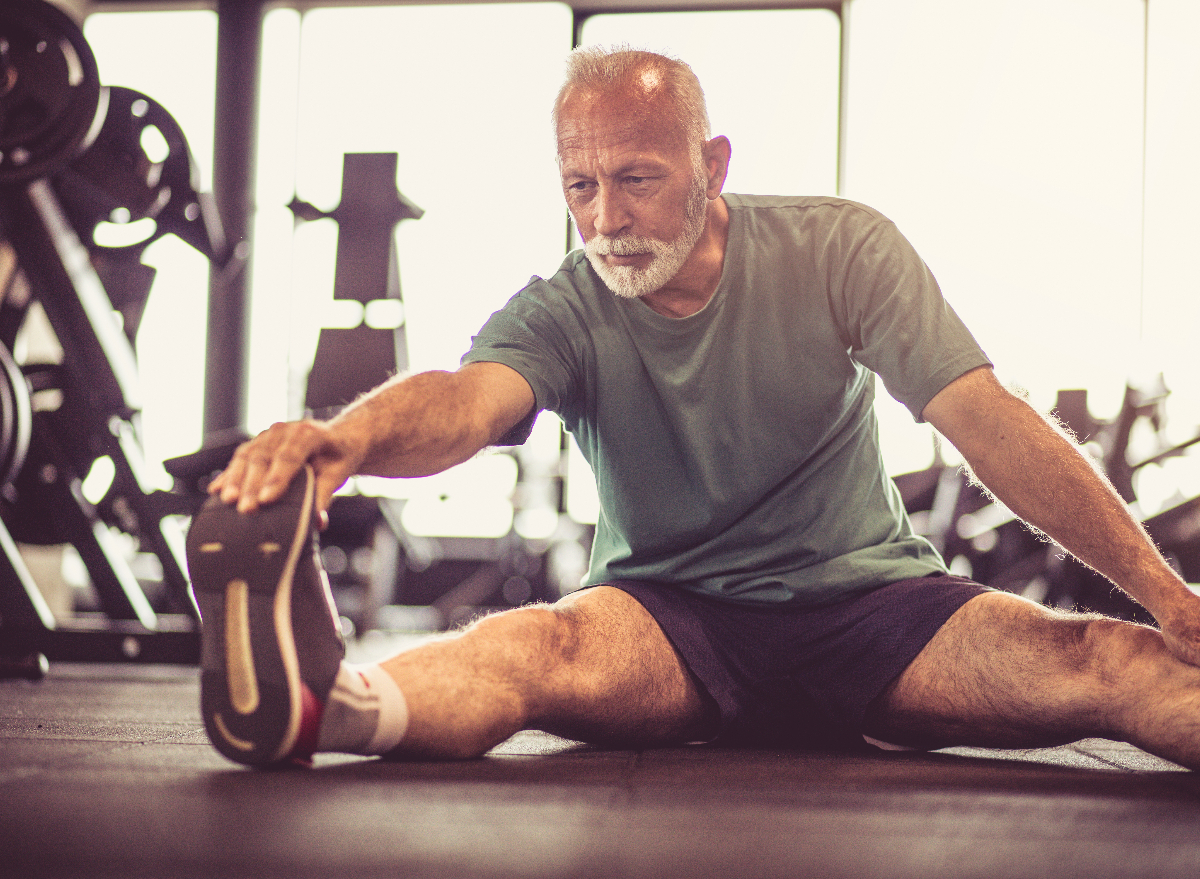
[(1006, 142), (582, 500), (384, 314), (171, 57), (99, 479), (341, 314), (770, 80), (462, 94), (1172, 286), (473, 499)]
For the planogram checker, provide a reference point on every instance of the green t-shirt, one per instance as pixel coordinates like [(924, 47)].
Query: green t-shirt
[(736, 451)]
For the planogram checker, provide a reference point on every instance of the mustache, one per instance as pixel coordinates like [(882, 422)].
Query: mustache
[(625, 245)]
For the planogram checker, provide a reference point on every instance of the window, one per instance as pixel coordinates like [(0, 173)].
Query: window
[(170, 56), (465, 110), (770, 80), (1038, 153), (1005, 140)]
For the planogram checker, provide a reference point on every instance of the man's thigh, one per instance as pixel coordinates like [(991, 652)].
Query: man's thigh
[(621, 681), (1003, 672)]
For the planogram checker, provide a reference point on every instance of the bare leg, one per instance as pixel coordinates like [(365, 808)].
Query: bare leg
[(1005, 672), (595, 666)]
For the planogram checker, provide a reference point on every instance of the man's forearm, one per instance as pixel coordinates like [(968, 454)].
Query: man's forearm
[(409, 426), (1046, 480), (424, 423)]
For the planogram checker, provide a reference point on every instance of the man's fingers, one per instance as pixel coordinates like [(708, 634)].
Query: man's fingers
[(229, 483), (1185, 649), (329, 480), (276, 479), (293, 446), (272, 459), (261, 469)]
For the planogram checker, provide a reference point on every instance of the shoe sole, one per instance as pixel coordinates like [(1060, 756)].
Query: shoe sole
[(252, 696)]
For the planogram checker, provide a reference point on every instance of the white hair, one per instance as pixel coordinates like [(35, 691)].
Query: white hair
[(649, 74)]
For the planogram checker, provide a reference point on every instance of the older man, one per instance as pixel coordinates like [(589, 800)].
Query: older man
[(753, 572)]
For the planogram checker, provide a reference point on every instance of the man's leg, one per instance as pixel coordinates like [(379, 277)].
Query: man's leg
[(1006, 672), (274, 686), (594, 666)]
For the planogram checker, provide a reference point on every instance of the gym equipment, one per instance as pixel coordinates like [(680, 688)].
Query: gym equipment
[(973, 531), (50, 98), (15, 418), (75, 160), (350, 361), (372, 560)]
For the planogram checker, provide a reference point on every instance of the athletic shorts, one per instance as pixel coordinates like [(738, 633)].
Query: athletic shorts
[(801, 676)]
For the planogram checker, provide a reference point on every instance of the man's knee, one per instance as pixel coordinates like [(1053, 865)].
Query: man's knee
[(1091, 648), (1115, 654), (540, 634), (612, 661), (566, 644)]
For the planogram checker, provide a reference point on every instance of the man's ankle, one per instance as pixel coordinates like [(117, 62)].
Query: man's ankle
[(365, 712)]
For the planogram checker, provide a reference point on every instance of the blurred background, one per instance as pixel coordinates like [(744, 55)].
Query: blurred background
[(1038, 153)]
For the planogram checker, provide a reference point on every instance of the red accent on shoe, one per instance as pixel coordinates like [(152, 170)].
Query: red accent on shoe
[(311, 712), (366, 683)]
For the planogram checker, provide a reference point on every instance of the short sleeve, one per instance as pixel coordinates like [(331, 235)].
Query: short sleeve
[(890, 308), (532, 336)]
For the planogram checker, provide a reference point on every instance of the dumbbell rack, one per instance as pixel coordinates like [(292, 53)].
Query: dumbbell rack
[(98, 381), (70, 156)]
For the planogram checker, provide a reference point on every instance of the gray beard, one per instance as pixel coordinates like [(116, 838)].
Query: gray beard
[(631, 282)]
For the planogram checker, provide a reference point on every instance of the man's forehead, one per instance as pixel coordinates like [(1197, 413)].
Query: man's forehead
[(598, 132), (646, 87), (589, 122)]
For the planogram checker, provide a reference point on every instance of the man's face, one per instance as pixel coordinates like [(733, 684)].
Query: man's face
[(636, 191)]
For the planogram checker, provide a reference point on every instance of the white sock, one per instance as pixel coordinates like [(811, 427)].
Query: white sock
[(365, 712)]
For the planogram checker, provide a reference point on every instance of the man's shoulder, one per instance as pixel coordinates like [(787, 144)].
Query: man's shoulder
[(567, 284), (811, 205), (573, 277), (570, 296)]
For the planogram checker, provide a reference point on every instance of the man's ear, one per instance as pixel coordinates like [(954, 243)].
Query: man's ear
[(716, 153)]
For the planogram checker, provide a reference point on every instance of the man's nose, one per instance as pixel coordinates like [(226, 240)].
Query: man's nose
[(612, 214)]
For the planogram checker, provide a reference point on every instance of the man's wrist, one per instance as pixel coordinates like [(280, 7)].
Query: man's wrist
[(1170, 599)]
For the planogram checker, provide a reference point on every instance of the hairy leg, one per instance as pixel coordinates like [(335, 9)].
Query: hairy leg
[(1006, 672), (594, 666)]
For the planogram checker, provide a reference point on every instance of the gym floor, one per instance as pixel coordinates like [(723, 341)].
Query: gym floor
[(105, 771)]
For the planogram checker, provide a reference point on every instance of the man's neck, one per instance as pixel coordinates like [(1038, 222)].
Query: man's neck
[(697, 279)]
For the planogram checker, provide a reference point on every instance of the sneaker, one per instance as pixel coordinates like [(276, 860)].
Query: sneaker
[(270, 642)]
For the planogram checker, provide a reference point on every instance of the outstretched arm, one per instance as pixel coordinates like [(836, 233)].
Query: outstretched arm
[(411, 426), (1048, 482)]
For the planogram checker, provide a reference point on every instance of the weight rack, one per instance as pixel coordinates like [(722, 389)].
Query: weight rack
[(71, 158)]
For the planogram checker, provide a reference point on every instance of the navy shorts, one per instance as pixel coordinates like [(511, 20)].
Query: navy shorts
[(795, 675)]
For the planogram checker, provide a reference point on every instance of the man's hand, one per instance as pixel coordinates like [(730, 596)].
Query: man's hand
[(408, 426), (262, 468), (1181, 629)]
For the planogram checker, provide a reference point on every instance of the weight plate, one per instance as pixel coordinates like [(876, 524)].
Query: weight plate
[(49, 90), (15, 417), (118, 176)]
